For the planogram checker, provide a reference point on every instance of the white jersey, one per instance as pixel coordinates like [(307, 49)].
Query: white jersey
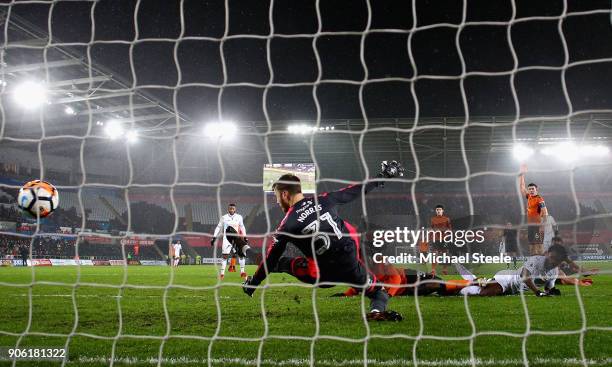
[(511, 281), (228, 220), (177, 249)]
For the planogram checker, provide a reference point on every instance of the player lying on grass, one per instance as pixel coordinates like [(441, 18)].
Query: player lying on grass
[(403, 282), (329, 243), (569, 268), (571, 273), (544, 267)]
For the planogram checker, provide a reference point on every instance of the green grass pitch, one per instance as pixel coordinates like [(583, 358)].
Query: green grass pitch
[(98, 319), (270, 175)]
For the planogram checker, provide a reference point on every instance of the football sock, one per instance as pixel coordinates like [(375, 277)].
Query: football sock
[(454, 285), (379, 300), (242, 262), (223, 265)]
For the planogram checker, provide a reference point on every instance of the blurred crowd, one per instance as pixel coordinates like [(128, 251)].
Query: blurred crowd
[(42, 246)]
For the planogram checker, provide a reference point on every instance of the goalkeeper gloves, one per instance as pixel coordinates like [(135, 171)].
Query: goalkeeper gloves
[(247, 286), (391, 169)]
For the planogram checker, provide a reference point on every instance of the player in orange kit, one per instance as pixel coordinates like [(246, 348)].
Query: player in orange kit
[(440, 223), (536, 214)]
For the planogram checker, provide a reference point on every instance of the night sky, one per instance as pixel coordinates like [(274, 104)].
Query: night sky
[(485, 48)]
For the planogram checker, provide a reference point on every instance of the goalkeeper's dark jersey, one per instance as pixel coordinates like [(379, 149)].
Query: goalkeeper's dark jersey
[(314, 227)]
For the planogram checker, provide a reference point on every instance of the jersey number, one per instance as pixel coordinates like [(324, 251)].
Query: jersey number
[(314, 226)]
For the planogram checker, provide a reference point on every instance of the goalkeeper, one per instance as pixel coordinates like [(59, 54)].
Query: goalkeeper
[(330, 244)]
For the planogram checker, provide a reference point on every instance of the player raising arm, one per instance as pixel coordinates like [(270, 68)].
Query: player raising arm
[(536, 214), (329, 243)]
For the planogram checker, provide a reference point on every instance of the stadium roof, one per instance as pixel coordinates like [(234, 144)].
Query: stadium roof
[(97, 95), (93, 92)]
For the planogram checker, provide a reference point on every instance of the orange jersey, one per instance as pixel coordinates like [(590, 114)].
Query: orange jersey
[(441, 222), (534, 208), (423, 246)]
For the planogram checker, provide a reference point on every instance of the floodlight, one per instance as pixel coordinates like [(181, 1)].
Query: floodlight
[(113, 129), (30, 94), (566, 152), (303, 129), (300, 129), (220, 129), (69, 110), (521, 152)]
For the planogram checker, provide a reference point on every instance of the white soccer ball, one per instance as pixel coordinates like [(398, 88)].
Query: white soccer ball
[(38, 198)]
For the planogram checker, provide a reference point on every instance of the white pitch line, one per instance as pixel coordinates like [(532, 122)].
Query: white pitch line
[(112, 296), (226, 297), (344, 362)]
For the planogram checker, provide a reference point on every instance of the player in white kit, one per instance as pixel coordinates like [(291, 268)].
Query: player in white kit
[(543, 267), (234, 220), (176, 256)]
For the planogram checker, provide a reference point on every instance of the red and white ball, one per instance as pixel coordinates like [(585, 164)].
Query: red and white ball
[(38, 198)]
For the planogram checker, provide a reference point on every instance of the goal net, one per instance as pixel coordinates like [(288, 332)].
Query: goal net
[(150, 118)]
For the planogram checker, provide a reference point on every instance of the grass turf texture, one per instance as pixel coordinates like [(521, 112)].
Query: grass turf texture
[(271, 175), (102, 310)]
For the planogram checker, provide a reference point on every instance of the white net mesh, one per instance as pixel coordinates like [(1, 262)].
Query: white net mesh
[(116, 182)]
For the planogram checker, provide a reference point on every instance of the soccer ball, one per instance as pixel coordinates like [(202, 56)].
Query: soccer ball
[(38, 198)]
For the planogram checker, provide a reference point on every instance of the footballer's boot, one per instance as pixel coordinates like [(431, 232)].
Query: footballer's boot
[(384, 316), (243, 275)]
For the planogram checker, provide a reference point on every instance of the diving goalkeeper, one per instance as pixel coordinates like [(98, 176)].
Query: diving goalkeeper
[(330, 244)]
